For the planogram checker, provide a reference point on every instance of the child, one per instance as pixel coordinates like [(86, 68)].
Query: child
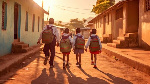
[(78, 46), (65, 46), (95, 46)]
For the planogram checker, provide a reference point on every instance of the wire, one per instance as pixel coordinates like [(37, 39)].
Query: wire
[(71, 7), (72, 11)]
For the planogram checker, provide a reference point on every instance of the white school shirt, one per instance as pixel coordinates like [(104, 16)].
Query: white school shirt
[(55, 32), (89, 40), (69, 37), (74, 39)]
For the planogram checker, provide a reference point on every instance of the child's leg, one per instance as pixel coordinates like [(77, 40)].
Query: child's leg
[(63, 60), (91, 57), (92, 62), (67, 59), (77, 57), (95, 59), (79, 60)]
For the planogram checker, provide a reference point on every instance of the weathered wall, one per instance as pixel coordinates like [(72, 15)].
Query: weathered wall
[(133, 17), (6, 36), (144, 26), (108, 24), (29, 37), (100, 27)]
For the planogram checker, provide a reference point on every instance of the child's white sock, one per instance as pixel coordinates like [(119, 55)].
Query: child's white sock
[(94, 63), (91, 60), (64, 62)]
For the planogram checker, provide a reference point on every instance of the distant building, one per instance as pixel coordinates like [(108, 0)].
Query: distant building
[(21, 23)]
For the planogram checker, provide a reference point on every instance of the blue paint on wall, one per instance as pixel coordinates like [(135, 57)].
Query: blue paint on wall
[(5, 43), (19, 20)]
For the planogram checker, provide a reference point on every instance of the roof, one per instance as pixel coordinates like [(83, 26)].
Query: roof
[(40, 7), (60, 27), (109, 9), (85, 28)]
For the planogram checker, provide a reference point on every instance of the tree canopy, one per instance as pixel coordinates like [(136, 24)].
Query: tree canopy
[(102, 5)]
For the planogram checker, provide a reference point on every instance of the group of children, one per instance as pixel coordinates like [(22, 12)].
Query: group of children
[(78, 45)]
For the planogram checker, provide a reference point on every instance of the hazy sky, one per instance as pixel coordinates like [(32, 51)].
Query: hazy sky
[(64, 10)]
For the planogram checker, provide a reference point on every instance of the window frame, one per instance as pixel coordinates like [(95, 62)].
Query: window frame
[(33, 23), (26, 21), (147, 5), (4, 16)]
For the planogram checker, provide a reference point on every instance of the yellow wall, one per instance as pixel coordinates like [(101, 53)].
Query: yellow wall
[(144, 26)]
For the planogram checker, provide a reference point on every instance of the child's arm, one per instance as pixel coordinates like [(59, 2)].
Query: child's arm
[(99, 42), (73, 41), (88, 42)]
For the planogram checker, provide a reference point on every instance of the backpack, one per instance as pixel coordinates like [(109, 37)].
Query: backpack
[(47, 35), (94, 44), (80, 42), (65, 45)]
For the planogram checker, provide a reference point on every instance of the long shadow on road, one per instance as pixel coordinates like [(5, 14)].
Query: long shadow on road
[(60, 76)]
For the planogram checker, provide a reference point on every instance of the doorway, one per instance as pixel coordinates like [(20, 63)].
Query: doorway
[(17, 21)]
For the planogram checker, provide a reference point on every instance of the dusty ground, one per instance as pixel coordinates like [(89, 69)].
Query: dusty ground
[(32, 71)]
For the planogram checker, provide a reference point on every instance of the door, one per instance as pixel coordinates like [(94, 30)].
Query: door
[(104, 26), (17, 21)]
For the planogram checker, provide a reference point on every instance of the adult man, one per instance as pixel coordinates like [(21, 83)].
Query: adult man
[(50, 45)]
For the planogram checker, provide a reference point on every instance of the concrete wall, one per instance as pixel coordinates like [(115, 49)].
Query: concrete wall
[(108, 24), (29, 37), (6, 36), (133, 16), (144, 26)]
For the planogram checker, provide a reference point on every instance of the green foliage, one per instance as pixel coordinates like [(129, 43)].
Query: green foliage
[(102, 5), (74, 23)]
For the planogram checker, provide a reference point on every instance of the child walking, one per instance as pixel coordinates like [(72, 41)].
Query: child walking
[(65, 46), (78, 46), (95, 46)]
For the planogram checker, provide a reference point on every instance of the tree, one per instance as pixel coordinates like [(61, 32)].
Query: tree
[(102, 5), (75, 23)]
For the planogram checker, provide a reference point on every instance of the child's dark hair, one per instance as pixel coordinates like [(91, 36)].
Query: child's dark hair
[(51, 21), (66, 30), (78, 30), (93, 31)]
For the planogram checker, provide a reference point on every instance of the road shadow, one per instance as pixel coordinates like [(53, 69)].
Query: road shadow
[(93, 80), (42, 79), (73, 79), (114, 79)]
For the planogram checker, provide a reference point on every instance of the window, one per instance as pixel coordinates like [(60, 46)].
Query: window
[(4, 15), (147, 5), (26, 24), (33, 22), (38, 22), (119, 13)]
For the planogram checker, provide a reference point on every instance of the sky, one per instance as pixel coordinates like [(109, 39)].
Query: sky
[(64, 10)]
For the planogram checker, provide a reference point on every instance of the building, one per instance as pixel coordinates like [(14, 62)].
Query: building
[(119, 24), (21, 24), (85, 32), (144, 24)]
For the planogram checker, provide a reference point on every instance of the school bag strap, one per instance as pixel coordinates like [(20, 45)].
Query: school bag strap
[(92, 37), (65, 37)]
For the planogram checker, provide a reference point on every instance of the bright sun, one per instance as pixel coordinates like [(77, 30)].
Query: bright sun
[(46, 3)]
